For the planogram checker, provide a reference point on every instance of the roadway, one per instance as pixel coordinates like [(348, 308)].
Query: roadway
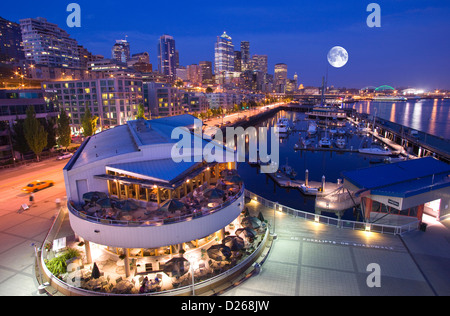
[(20, 229)]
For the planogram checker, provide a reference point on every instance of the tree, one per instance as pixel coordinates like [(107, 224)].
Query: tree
[(50, 127), (18, 138), (141, 112), (35, 133), (63, 130), (209, 90), (88, 122)]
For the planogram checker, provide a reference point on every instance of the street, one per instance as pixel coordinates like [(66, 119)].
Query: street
[(19, 230)]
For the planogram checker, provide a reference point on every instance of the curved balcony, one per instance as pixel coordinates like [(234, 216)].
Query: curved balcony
[(156, 232)]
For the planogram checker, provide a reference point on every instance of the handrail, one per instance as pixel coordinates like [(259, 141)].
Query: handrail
[(72, 290), (163, 221), (380, 228)]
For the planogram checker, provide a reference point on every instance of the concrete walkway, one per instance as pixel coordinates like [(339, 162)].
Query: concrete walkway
[(313, 259)]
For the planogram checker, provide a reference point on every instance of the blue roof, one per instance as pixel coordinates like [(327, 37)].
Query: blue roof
[(402, 179), (165, 170)]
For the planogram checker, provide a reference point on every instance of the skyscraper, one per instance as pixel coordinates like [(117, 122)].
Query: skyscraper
[(280, 77), (245, 55), (206, 71), (47, 44), (260, 63), (237, 61), (224, 54), (10, 42), (167, 63), (121, 51)]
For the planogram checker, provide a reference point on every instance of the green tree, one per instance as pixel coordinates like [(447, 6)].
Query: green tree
[(88, 122), (35, 133), (18, 138), (141, 112), (50, 127), (209, 90), (63, 130)]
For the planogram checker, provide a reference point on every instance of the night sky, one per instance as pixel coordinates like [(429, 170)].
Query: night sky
[(411, 49)]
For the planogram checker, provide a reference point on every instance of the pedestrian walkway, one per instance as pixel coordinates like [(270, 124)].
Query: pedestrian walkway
[(309, 258)]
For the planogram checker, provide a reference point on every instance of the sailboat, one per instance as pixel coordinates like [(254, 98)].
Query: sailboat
[(312, 128)]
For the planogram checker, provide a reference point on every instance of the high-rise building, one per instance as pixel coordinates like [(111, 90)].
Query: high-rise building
[(245, 55), (167, 63), (47, 44), (224, 54), (260, 63), (121, 51), (237, 61), (206, 71), (280, 77), (10, 42), (194, 74)]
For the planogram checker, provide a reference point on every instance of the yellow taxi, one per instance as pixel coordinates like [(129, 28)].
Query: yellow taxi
[(37, 185)]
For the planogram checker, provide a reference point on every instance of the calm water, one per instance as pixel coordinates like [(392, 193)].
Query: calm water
[(318, 163), (429, 116)]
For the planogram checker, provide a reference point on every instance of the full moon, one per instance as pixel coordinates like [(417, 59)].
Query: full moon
[(337, 57)]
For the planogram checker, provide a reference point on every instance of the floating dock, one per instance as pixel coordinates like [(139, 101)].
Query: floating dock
[(313, 188)]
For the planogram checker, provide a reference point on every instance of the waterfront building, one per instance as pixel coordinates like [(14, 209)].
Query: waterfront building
[(121, 51), (47, 44), (195, 102), (113, 100), (409, 188), (167, 62), (132, 164), (11, 50), (13, 106), (224, 55), (162, 100)]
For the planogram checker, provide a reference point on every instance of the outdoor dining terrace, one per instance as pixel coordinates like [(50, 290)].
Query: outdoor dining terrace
[(105, 275), (206, 199)]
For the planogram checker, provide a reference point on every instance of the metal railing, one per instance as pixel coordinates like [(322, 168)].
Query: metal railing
[(330, 221), (153, 222)]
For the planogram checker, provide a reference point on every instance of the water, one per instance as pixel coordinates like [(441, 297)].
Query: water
[(318, 163), (429, 116)]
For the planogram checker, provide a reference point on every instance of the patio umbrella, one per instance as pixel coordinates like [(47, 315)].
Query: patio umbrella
[(172, 206), (246, 232), (219, 252), (127, 205), (214, 194), (228, 172), (105, 202), (261, 217), (251, 222), (235, 179), (176, 267), (95, 271), (94, 196), (235, 243)]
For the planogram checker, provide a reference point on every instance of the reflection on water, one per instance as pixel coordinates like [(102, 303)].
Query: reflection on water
[(429, 116), (318, 163)]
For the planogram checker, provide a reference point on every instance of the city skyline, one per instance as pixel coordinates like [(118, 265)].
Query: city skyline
[(408, 50)]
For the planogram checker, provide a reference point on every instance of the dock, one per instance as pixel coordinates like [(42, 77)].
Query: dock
[(314, 188)]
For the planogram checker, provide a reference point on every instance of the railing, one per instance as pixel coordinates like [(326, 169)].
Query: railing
[(158, 222), (201, 286), (330, 221)]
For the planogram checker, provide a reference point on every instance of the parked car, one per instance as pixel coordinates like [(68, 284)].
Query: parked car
[(38, 185), (65, 155)]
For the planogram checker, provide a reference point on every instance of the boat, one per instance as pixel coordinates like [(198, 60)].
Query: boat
[(283, 125), (312, 128), (394, 159), (375, 151), (333, 131), (288, 170), (389, 98), (340, 143), (341, 131), (325, 142)]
